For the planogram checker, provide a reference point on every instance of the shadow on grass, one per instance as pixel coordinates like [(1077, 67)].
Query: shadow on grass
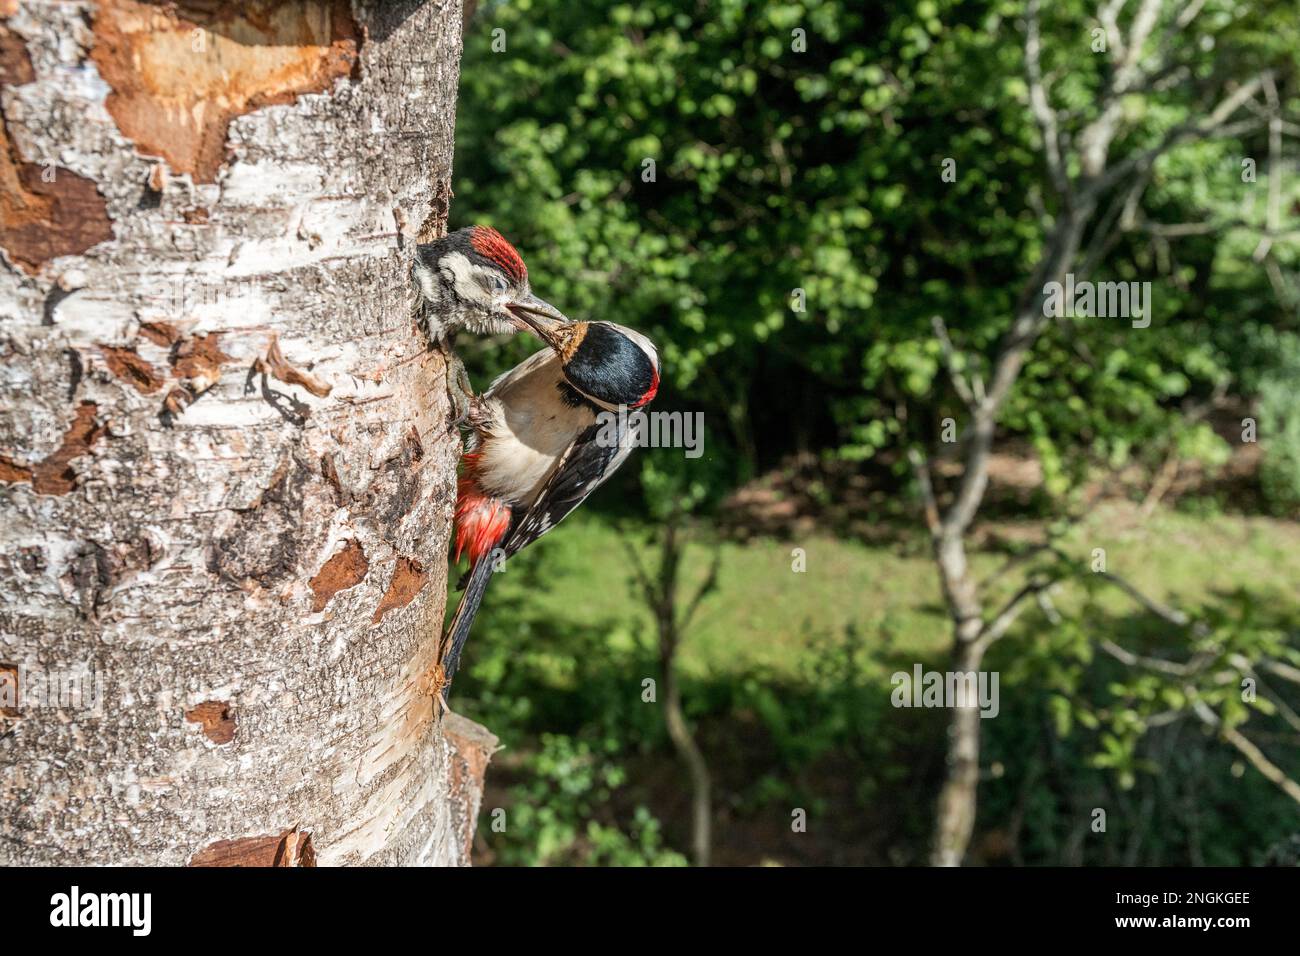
[(589, 776)]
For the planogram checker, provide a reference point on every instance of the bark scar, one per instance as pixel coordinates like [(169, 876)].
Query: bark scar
[(345, 569), (46, 211), (408, 581), (180, 72), (291, 848), (55, 475), (127, 365), (216, 718)]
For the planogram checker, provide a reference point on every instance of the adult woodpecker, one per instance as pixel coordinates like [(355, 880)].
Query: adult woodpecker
[(537, 448), (472, 279)]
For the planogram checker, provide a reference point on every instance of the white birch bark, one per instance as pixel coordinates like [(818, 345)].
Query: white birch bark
[(226, 476)]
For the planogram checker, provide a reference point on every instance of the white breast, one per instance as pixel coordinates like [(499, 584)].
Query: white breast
[(531, 426)]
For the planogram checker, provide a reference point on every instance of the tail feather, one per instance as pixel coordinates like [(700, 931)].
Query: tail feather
[(458, 630)]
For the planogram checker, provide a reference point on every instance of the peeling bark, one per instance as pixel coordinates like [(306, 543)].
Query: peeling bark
[(46, 211), (54, 474), (290, 848), (226, 476), (180, 73)]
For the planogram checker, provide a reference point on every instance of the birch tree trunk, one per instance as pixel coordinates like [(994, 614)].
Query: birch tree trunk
[(226, 474)]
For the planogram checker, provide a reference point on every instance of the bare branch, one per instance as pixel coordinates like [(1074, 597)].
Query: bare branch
[(921, 468), (1177, 25), (1165, 78), (975, 478), (1281, 287), (959, 380), (1244, 665), (1273, 213), (1048, 607), (1215, 124), (1130, 659), (1175, 230), (1188, 14), (1208, 716), (1172, 615), (1105, 234), (1044, 114), (1164, 480), (707, 586), (638, 570), (1096, 137), (1271, 771), (1108, 14), (1002, 621), (1143, 23), (1284, 671), (1165, 718), (1194, 665)]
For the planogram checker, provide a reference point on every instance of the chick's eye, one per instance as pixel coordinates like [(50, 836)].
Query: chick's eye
[(492, 282)]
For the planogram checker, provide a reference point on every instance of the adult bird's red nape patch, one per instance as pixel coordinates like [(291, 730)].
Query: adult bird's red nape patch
[(649, 392), (490, 244)]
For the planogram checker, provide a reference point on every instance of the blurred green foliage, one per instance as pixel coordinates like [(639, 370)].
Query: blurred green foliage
[(787, 255), (821, 171), (1279, 420), (790, 695)]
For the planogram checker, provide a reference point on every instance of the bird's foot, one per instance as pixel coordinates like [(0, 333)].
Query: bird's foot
[(479, 415), (460, 392), (441, 689)]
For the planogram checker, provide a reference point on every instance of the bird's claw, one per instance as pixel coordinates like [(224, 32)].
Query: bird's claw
[(441, 688), (460, 392), (478, 414)]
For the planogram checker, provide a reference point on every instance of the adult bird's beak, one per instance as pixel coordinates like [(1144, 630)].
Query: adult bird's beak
[(544, 319)]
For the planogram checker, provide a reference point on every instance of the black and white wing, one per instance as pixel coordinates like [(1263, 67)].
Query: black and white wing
[(594, 455)]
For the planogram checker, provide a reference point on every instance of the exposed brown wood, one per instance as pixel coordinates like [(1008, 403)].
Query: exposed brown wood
[(180, 72), (290, 848), (216, 719), (345, 569), (408, 580), (55, 475), (127, 365), (46, 211)]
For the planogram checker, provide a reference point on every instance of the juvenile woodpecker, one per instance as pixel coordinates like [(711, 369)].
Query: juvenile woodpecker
[(537, 448), (472, 279)]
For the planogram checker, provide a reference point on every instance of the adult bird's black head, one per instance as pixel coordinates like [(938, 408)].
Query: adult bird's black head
[(474, 279), (609, 364)]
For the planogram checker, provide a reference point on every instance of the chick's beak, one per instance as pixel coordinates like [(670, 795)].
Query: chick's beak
[(539, 316)]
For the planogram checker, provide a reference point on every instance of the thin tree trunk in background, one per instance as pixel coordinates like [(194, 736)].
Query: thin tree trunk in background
[(675, 723), (972, 635), (957, 800), (689, 751), (661, 595), (1080, 194), (226, 476)]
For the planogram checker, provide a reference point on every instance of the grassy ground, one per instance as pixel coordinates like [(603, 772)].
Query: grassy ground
[(763, 613), (786, 683)]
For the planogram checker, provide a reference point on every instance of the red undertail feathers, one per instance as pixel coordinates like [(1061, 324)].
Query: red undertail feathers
[(481, 520)]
